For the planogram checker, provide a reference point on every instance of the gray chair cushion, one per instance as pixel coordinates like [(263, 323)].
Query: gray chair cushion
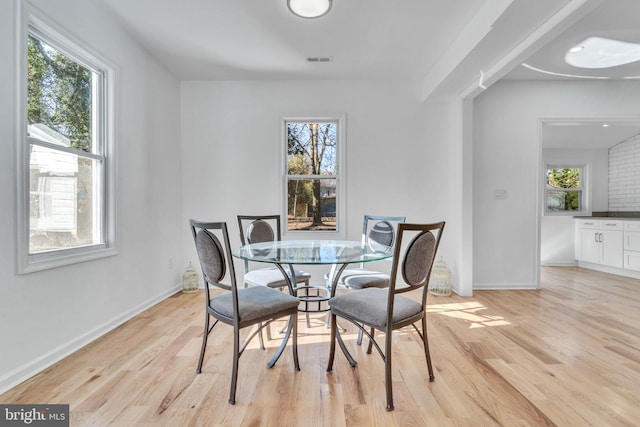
[(353, 272), (369, 306), (272, 277), (381, 237), (211, 256), (254, 303), (260, 231), (371, 280), (418, 259)]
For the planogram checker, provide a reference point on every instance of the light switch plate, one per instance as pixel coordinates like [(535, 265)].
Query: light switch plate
[(500, 194)]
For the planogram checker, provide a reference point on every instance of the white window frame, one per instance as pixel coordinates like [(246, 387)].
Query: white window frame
[(584, 183), (341, 198), (32, 21)]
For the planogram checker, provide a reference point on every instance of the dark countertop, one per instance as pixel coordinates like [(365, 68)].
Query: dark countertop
[(616, 215)]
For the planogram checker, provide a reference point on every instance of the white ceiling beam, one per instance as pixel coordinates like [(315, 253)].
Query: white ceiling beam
[(463, 45)]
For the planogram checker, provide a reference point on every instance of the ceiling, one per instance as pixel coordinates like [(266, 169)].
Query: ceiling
[(262, 39), (366, 39), (587, 134), (438, 45)]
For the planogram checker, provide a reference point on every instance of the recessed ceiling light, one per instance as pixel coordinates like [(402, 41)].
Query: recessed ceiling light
[(599, 52), (605, 125)]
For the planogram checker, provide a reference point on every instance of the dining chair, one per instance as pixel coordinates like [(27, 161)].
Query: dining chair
[(259, 229), (379, 233), (386, 310), (240, 308)]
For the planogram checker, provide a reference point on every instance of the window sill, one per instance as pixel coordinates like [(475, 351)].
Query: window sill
[(61, 258), (313, 234), (568, 213)]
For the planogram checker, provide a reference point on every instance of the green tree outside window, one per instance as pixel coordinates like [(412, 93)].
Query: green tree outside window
[(564, 189), (311, 175)]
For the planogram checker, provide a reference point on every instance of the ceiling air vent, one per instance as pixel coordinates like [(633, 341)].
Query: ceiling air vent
[(320, 59)]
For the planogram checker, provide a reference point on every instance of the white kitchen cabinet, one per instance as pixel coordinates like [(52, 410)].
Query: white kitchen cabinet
[(612, 252), (586, 242), (632, 245), (600, 241), (632, 260)]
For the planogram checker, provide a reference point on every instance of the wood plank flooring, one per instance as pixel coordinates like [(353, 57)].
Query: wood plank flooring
[(566, 355)]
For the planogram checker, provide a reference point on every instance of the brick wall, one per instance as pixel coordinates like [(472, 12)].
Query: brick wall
[(624, 176)]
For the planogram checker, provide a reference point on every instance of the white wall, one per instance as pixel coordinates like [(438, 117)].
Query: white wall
[(557, 231), (48, 314), (506, 154), (232, 143)]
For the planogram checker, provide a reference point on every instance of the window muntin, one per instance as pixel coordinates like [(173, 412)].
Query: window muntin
[(66, 212), (312, 175), (564, 191)]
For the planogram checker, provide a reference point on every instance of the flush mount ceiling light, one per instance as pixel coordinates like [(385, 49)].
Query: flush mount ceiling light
[(599, 52), (309, 8)]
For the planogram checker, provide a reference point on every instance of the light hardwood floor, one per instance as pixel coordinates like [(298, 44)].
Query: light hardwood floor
[(567, 355)]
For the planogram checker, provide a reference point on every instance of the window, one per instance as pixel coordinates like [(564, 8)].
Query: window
[(314, 194), (564, 189), (66, 212)]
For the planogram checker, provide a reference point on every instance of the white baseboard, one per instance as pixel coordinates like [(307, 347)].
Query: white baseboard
[(32, 367), (504, 286), (559, 264), (612, 270)]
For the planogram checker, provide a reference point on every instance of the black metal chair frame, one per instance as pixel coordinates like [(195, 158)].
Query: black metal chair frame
[(235, 320), (393, 290)]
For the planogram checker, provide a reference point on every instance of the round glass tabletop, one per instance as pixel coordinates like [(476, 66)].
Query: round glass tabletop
[(311, 252)]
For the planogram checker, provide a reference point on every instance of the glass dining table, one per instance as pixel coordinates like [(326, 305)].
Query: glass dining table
[(285, 254)]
